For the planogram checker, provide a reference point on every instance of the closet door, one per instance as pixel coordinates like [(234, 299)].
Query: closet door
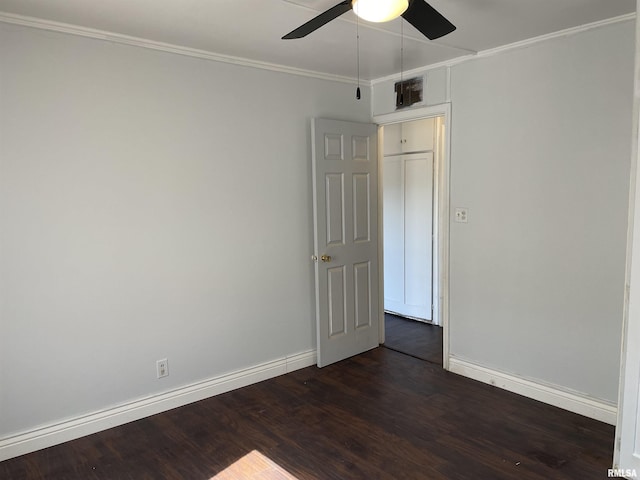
[(418, 228), (393, 141), (409, 137), (393, 231), (418, 135), (408, 228)]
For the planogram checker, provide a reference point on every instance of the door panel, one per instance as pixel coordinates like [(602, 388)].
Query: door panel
[(334, 185), (345, 199), (360, 148), (361, 210), (393, 139), (333, 147), (363, 294), (393, 193), (409, 137), (408, 234), (336, 300), (418, 135), (418, 228)]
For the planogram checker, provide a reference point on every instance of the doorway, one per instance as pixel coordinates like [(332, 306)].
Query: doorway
[(411, 167)]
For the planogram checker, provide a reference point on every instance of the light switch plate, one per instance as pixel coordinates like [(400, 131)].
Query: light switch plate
[(462, 214)]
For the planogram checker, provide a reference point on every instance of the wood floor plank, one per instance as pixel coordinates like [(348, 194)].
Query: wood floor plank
[(418, 339), (379, 415)]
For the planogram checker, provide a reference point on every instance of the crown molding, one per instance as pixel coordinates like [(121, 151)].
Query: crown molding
[(511, 46), (60, 27)]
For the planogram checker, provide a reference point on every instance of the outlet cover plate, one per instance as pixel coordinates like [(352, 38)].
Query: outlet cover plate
[(462, 214), (162, 367)]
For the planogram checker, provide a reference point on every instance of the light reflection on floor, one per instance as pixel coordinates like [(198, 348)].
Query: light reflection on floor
[(254, 466)]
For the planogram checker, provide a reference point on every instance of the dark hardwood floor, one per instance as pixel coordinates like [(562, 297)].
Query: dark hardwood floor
[(418, 339), (379, 415)]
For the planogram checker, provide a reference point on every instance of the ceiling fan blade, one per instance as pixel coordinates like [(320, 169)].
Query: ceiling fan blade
[(316, 22), (427, 20)]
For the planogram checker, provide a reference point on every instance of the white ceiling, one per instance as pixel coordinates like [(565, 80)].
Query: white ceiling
[(252, 29)]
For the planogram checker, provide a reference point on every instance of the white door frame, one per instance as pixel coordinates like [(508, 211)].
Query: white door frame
[(441, 184), (628, 421)]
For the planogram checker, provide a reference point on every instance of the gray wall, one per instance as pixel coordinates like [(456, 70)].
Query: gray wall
[(540, 156), (151, 205), (150, 209)]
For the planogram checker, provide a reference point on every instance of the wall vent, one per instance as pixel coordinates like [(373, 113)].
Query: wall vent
[(408, 92)]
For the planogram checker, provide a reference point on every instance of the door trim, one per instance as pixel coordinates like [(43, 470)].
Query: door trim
[(441, 183)]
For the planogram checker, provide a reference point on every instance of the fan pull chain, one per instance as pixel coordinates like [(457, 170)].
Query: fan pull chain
[(358, 55), (401, 63)]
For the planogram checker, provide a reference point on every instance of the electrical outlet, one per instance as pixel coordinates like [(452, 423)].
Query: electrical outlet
[(162, 366), (462, 214)]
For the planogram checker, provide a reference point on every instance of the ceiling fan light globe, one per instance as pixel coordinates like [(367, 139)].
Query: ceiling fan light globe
[(379, 10)]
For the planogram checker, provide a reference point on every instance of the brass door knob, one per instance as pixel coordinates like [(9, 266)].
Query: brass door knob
[(325, 258)]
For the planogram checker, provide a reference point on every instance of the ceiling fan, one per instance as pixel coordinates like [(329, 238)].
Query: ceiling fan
[(418, 13)]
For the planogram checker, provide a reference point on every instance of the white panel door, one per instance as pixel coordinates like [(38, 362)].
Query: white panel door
[(408, 234), (418, 229), (345, 199)]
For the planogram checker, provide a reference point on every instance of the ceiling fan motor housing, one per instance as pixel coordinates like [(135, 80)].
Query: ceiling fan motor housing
[(379, 11)]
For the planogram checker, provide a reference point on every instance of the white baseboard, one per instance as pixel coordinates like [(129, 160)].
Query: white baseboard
[(583, 405), (95, 422)]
